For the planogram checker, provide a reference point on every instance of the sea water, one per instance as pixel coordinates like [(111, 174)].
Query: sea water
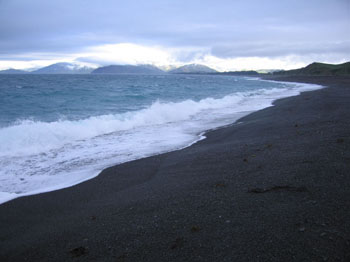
[(59, 130)]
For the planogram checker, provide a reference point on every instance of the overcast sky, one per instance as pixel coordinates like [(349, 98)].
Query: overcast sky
[(224, 34)]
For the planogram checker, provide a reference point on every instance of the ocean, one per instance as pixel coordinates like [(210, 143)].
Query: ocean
[(59, 130)]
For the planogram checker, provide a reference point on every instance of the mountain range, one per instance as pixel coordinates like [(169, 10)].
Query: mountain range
[(128, 69), (71, 68), (63, 68), (13, 71)]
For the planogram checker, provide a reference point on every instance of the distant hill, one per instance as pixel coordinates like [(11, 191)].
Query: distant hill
[(193, 69), (63, 68), (320, 69), (128, 69), (240, 73), (13, 71), (167, 68)]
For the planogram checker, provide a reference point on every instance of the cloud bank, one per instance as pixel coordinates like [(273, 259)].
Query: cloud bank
[(227, 35)]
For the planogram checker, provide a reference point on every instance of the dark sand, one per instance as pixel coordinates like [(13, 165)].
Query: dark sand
[(275, 187)]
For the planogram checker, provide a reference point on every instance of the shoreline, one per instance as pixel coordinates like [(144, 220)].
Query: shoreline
[(272, 187), (5, 197)]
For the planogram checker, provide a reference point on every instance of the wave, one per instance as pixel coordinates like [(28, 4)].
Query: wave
[(38, 156), (33, 137)]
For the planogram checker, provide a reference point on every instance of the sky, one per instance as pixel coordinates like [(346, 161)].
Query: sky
[(223, 34)]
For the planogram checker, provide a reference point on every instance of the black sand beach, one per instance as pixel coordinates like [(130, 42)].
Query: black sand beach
[(274, 187)]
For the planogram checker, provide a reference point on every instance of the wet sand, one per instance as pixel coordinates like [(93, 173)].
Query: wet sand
[(272, 187)]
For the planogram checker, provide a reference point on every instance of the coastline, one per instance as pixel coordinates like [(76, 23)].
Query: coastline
[(26, 184), (273, 187)]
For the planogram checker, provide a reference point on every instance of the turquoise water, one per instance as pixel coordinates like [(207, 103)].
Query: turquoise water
[(72, 97), (59, 130)]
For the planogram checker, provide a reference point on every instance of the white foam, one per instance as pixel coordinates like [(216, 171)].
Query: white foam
[(39, 157), (33, 137)]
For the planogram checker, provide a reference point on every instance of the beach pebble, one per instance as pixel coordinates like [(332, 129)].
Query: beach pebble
[(195, 229), (78, 251), (340, 140)]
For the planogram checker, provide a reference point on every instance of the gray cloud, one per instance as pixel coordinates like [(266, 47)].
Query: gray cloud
[(228, 28), (273, 49)]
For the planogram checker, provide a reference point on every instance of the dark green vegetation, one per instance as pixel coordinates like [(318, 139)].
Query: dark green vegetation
[(320, 69)]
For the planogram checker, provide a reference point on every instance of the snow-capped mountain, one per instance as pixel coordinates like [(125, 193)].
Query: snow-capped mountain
[(64, 68)]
